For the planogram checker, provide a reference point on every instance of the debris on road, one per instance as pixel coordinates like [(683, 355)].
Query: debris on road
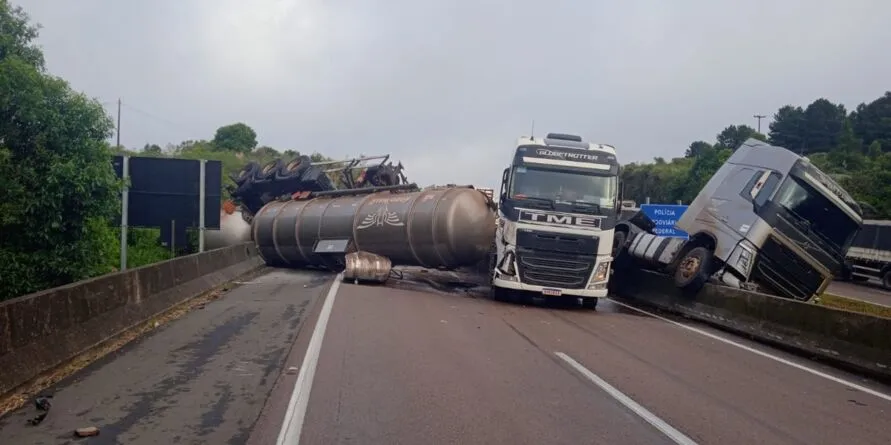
[(42, 404), (87, 432)]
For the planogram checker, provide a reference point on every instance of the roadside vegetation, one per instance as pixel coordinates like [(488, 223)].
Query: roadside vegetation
[(60, 201)]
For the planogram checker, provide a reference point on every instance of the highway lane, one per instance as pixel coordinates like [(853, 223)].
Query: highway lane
[(870, 291), (403, 366), (202, 379)]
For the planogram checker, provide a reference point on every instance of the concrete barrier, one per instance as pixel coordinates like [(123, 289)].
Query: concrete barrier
[(859, 341), (43, 330)]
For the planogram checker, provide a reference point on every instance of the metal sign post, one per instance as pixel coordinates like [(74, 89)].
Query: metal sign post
[(125, 209), (202, 179)]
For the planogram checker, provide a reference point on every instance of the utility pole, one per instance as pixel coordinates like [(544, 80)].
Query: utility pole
[(119, 125), (759, 117)]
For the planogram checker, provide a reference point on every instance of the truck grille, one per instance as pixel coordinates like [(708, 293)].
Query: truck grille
[(782, 270), (554, 269)]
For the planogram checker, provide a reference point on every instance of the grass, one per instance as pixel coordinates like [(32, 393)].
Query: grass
[(852, 305)]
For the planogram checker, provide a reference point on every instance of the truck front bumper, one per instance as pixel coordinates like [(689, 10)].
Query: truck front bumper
[(516, 285)]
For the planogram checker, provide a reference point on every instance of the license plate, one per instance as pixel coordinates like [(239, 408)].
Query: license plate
[(552, 292)]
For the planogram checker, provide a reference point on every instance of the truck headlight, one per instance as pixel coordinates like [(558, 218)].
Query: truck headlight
[(745, 255), (601, 273), (506, 267)]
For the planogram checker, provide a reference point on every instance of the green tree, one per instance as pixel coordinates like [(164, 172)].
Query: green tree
[(59, 191), (698, 148), (734, 136), (266, 151), (17, 36), (824, 124), (872, 122), (152, 150), (236, 137), (787, 129)]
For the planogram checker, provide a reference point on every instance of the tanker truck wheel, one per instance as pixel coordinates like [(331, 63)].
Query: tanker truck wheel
[(886, 279), (500, 294), (246, 173), (590, 303), (692, 270)]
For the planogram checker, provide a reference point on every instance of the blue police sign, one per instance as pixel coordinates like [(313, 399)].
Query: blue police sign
[(665, 216)]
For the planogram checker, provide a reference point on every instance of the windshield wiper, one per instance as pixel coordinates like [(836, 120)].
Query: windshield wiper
[(587, 205), (538, 201)]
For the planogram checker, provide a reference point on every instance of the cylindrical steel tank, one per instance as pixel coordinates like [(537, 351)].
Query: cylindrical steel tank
[(233, 230), (435, 228)]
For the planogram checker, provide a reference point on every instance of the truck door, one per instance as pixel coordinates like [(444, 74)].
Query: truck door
[(732, 211)]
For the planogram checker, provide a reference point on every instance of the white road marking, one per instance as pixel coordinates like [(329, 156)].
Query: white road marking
[(673, 434), (293, 421), (798, 366)]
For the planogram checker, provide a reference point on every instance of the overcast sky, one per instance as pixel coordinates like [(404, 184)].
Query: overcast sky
[(447, 86)]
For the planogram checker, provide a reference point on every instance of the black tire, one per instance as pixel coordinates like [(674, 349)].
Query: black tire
[(590, 303), (268, 171), (246, 173), (500, 294), (886, 279), (693, 269), (294, 168), (382, 176), (619, 242)]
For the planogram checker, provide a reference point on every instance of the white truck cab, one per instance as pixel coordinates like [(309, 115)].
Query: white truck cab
[(556, 218)]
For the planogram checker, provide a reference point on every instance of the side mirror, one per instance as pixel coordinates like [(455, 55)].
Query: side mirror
[(504, 177)]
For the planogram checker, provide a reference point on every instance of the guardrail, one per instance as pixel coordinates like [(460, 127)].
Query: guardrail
[(43, 330), (859, 341)]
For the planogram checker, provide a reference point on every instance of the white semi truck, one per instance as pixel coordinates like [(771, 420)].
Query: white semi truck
[(557, 212), (768, 219)]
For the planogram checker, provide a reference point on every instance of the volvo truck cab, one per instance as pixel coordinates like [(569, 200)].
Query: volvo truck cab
[(768, 219), (556, 217)]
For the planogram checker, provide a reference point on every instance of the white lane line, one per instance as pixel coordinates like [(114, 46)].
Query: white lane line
[(293, 421), (673, 434), (801, 367)]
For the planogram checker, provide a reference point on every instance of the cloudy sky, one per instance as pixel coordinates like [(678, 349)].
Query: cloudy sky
[(447, 86)]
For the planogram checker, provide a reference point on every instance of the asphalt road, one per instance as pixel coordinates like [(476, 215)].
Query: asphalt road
[(404, 367), (202, 379), (867, 291), (405, 364)]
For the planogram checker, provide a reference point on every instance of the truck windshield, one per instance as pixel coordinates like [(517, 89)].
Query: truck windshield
[(816, 214), (561, 185)]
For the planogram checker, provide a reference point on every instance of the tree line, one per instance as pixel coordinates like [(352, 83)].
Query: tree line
[(59, 195), (853, 147)]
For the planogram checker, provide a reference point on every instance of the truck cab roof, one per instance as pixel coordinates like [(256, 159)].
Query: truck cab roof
[(565, 141)]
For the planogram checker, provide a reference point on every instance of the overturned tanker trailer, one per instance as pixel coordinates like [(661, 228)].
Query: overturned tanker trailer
[(439, 227)]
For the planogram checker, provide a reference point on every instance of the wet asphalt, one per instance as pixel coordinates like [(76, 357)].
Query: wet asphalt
[(426, 361)]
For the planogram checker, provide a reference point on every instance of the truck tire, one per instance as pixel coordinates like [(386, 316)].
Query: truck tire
[(268, 171), (500, 294), (886, 279), (293, 169), (590, 303), (246, 173), (693, 269)]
